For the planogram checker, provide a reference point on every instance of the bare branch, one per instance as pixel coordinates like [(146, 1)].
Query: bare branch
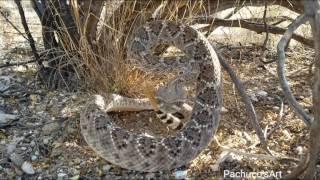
[(265, 25), (27, 31), (245, 98), (312, 9), (281, 68), (257, 27), (14, 27)]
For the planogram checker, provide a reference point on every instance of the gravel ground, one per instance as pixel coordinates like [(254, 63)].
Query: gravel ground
[(40, 136)]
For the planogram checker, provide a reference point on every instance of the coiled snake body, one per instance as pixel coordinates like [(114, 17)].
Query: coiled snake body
[(138, 151)]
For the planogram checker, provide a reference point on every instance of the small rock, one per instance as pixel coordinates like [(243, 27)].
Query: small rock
[(215, 167), (16, 159), (50, 127), (5, 83), (34, 157), (224, 110), (76, 177), (62, 176), (180, 174), (276, 108), (74, 97), (7, 119), (27, 168), (23, 148), (32, 143), (46, 140), (36, 153), (262, 93), (300, 150)]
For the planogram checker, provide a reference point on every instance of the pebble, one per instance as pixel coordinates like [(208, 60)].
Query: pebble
[(34, 157), (180, 174), (27, 168), (46, 140), (32, 143), (62, 176), (276, 108), (299, 150), (215, 167), (6, 119), (16, 159), (262, 93), (36, 153), (76, 177), (224, 110)]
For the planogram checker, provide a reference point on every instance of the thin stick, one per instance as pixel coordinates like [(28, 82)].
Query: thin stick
[(279, 121), (257, 27), (30, 38), (14, 27), (265, 24), (247, 101), (281, 68)]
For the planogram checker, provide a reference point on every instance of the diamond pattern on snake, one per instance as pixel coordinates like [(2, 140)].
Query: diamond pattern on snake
[(140, 152)]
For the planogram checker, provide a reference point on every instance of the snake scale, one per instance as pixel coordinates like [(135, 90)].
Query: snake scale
[(140, 152)]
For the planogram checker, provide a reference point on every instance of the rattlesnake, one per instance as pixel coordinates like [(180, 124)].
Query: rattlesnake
[(137, 151)]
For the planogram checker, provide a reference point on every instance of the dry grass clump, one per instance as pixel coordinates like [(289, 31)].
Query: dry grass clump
[(102, 62)]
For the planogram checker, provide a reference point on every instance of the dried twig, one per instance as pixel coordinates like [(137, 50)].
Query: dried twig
[(265, 24), (257, 27), (27, 31), (281, 68), (279, 121), (312, 10), (14, 27), (311, 13), (247, 101)]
